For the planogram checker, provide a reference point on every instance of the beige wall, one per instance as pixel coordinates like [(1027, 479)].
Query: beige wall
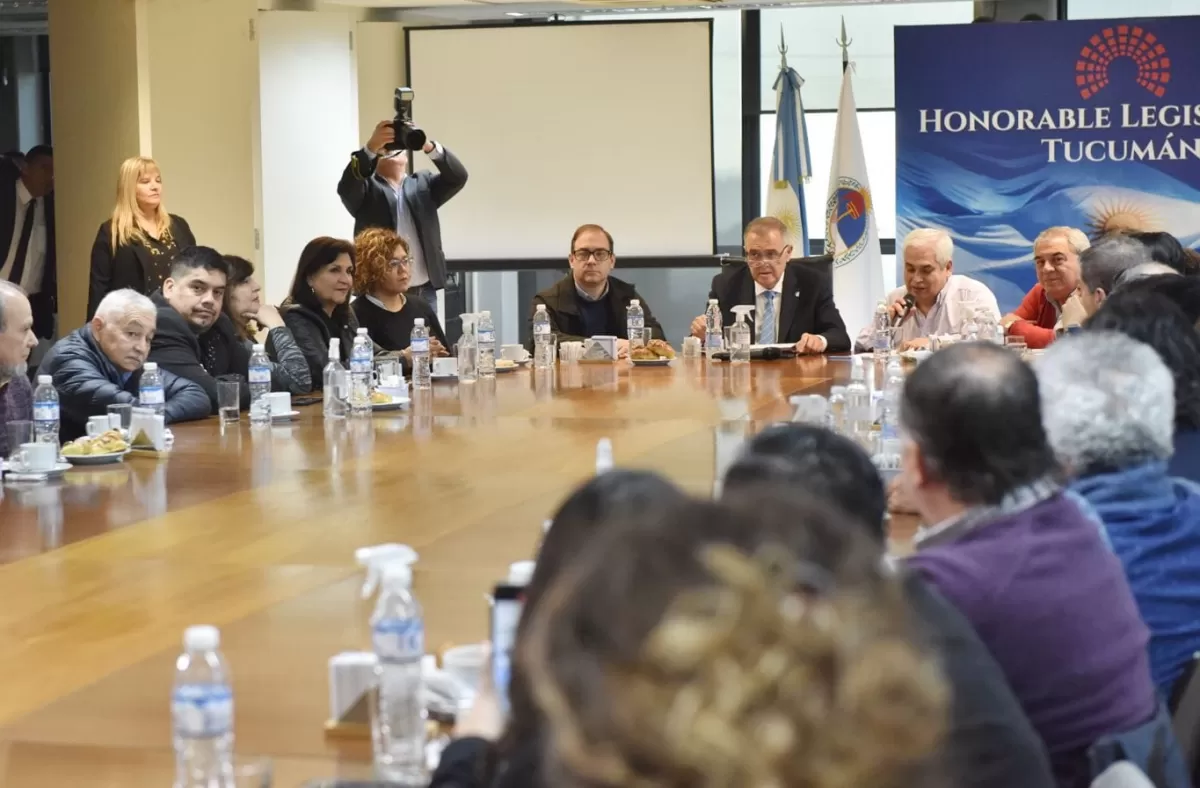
[(379, 51), (94, 100)]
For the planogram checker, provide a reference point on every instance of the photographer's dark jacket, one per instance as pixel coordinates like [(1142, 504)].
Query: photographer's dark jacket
[(201, 358), (574, 318), (371, 200), (87, 383)]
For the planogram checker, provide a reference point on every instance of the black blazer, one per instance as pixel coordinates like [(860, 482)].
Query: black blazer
[(45, 302), (562, 304), (372, 202), (129, 266), (176, 348), (806, 303)]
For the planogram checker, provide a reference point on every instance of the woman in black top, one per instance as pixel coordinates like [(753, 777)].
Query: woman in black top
[(381, 274), (135, 247), (318, 307)]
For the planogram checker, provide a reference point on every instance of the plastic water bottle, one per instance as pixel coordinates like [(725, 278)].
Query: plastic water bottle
[(485, 338), (202, 712), (635, 324), (713, 337), (335, 383), (858, 403), (542, 338), (468, 350), (260, 386), (150, 389), (970, 325), (398, 640), (881, 338), (419, 348), (362, 353), (887, 458), (45, 411)]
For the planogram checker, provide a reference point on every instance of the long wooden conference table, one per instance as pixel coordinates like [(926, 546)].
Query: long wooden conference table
[(255, 532)]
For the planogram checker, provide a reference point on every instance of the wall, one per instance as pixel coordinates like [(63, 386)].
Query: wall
[(379, 52), (94, 99)]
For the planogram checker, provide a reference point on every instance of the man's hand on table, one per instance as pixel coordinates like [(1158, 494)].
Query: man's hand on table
[(811, 344)]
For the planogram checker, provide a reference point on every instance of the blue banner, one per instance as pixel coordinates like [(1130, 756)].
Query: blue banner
[(1003, 130)]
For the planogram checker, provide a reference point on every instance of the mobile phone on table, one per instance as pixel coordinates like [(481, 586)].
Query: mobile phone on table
[(302, 401), (507, 603)]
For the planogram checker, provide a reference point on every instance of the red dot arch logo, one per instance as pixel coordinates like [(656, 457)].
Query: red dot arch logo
[(1113, 43)]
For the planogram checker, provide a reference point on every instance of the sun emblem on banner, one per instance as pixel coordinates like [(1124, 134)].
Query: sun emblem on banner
[(786, 213), (847, 228), (1120, 216), (1113, 43)]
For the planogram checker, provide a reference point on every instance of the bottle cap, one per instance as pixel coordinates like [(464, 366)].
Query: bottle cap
[(361, 331), (635, 302), (520, 573), (258, 349), (335, 342), (420, 321), (604, 455), (541, 308), (150, 366), (45, 380), (202, 638), (486, 314), (712, 301), (377, 559)]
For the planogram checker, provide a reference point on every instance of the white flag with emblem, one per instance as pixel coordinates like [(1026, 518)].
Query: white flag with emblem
[(850, 232)]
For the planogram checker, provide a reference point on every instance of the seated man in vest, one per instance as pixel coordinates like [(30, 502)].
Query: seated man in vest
[(195, 339), (100, 364), (1052, 303), (941, 299), (589, 302), (793, 303)]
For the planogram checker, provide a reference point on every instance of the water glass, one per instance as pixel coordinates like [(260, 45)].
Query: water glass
[(18, 432), (810, 409), (252, 773), (691, 347), (228, 400), (1015, 343), (120, 416)]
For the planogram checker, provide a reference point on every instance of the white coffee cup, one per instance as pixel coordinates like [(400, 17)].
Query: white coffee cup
[(38, 457), (280, 403), (516, 353), (98, 425), (447, 365)]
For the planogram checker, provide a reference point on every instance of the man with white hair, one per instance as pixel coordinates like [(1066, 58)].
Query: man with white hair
[(941, 299), (16, 341), (1108, 406), (1103, 264), (1051, 303), (100, 364)]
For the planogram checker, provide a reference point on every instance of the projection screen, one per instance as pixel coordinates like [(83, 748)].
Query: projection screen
[(565, 124)]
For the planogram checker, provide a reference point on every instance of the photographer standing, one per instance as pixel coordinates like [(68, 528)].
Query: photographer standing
[(378, 192)]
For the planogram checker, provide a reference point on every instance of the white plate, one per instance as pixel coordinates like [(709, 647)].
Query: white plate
[(96, 459), (916, 355), (651, 362), (505, 370), (58, 470), (395, 404)]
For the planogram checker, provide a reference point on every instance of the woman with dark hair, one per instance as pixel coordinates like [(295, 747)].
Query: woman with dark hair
[(484, 754), (1164, 248), (381, 277), (257, 323), (318, 307)]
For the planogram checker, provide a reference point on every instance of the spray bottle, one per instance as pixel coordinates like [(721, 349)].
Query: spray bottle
[(398, 640), (739, 335), (468, 349)]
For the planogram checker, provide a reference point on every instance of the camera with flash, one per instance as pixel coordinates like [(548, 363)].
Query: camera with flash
[(408, 136)]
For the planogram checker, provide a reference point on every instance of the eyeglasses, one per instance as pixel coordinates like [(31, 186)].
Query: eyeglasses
[(599, 255), (403, 261), (766, 255)]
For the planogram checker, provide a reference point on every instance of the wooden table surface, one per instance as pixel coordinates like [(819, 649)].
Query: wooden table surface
[(255, 533)]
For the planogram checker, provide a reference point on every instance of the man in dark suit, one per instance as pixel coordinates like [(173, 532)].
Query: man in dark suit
[(194, 338), (793, 304), (588, 302), (27, 235), (378, 192)]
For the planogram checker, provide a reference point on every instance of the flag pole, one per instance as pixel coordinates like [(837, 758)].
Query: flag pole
[(844, 43), (782, 50)]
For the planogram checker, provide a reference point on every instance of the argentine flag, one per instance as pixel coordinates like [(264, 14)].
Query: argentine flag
[(850, 232), (790, 164)]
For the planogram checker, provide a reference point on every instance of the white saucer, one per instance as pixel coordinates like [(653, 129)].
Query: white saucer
[(285, 416), (53, 473)]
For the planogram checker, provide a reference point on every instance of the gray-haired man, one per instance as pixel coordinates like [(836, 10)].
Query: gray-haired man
[(16, 341)]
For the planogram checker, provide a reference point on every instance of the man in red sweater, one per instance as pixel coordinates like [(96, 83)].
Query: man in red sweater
[(1056, 258)]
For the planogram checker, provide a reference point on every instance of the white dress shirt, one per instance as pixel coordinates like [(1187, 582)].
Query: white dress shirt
[(406, 227), (947, 314), (35, 254)]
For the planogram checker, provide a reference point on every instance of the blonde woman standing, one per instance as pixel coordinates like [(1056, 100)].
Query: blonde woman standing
[(135, 247)]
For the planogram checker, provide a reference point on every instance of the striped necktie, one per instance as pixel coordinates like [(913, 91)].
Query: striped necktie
[(766, 323)]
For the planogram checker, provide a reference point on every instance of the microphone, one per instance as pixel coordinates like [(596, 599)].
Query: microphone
[(909, 303)]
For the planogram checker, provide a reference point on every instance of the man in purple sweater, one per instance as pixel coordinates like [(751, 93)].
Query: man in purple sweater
[(1019, 558), (16, 340)]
